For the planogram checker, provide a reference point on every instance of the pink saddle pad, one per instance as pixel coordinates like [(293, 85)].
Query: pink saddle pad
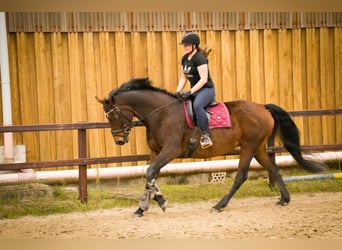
[(219, 116)]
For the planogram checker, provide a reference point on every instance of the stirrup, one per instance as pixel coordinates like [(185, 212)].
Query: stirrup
[(206, 141)]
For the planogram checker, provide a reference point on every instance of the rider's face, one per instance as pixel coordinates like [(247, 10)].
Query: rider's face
[(187, 48)]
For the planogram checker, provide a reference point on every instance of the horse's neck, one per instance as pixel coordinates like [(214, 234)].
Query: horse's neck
[(144, 102)]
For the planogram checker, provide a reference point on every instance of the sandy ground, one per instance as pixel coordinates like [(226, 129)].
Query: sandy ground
[(314, 215)]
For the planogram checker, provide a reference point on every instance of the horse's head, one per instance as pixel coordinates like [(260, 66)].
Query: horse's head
[(120, 119), (121, 105)]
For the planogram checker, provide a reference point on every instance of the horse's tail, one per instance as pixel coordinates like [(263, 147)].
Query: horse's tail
[(290, 136)]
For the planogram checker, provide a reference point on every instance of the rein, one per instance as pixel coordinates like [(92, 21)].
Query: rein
[(158, 109)]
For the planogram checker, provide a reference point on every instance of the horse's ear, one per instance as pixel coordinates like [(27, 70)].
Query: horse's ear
[(100, 100)]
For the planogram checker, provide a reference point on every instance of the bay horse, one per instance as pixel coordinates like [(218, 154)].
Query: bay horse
[(168, 136)]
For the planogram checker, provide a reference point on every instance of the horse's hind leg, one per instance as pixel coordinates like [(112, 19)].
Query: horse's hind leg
[(263, 158), (240, 178)]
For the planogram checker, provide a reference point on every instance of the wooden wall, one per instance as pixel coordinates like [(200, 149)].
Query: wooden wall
[(56, 75)]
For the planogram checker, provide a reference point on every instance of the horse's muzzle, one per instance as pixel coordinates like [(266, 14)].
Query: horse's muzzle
[(120, 140), (119, 143)]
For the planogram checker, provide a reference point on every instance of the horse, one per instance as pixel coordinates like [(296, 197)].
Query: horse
[(168, 136)]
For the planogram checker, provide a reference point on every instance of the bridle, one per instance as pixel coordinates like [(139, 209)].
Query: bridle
[(125, 129)]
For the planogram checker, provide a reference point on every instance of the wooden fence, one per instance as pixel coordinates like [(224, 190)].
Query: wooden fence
[(56, 75)]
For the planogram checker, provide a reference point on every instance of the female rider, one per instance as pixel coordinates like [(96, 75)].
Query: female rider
[(195, 69)]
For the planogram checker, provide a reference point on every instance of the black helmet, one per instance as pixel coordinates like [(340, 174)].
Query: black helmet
[(190, 38)]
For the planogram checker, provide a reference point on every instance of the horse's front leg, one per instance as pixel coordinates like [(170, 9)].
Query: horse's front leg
[(152, 191), (158, 197)]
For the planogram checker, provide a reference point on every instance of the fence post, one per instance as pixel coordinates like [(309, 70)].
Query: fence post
[(82, 169)]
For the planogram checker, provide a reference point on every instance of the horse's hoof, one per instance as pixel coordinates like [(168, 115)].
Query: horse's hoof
[(282, 203), (215, 210), (161, 202), (138, 213), (164, 206)]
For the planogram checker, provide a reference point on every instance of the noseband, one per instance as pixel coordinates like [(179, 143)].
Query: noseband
[(124, 127)]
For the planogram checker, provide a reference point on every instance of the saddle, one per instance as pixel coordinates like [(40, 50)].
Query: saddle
[(217, 112)]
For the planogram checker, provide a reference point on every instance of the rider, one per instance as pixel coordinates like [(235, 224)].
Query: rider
[(195, 69)]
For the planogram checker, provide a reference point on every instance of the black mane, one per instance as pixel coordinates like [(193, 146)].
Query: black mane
[(138, 84)]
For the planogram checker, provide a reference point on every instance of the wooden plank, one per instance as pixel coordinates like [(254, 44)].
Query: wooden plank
[(286, 90), (243, 65), (257, 66), (28, 92), (105, 83), (299, 83), (327, 83), (180, 53), (169, 61), (54, 127), (15, 88), (154, 57), (229, 85), (61, 90), (45, 95), (313, 87), (139, 54), (271, 66), (123, 55), (338, 79), (213, 39)]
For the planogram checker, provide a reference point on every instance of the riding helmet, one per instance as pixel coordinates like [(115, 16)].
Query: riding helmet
[(190, 38)]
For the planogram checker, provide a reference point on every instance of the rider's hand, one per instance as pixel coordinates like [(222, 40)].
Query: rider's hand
[(178, 94), (186, 94)]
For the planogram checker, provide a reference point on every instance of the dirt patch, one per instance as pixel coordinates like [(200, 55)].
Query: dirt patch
[(316, 215)]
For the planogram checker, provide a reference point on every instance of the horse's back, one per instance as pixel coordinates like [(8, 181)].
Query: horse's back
[(251, 117), (244, 106)]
